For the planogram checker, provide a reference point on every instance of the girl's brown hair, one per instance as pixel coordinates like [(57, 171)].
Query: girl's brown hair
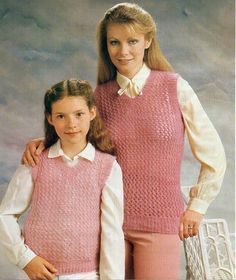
[(140, 21), (97, 135)]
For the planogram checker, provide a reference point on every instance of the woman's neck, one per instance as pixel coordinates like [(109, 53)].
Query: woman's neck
[(130, 76)]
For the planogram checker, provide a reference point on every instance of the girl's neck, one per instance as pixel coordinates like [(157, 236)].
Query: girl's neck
[(71, 150)]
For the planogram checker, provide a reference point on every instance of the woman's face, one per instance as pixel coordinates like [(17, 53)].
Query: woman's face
[(126, 48)]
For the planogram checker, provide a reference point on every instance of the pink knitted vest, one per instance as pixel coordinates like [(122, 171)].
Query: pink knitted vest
[(63, 225), (148, 133)]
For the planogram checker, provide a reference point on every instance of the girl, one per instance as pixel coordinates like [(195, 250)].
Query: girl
[(74, 227), (147, 108)]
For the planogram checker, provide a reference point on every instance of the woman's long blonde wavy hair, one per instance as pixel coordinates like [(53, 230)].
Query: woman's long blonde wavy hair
[(140, 21)]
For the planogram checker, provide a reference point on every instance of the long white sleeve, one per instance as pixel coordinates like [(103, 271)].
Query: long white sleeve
[(112, 253), (14, 203), (206, 146)]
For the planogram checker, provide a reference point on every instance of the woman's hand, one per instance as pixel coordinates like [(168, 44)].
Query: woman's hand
[(33, 149), (39, 269), (189, 224)]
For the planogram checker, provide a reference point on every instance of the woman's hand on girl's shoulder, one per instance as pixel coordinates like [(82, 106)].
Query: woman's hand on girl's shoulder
[(39, 268), (32, 151)]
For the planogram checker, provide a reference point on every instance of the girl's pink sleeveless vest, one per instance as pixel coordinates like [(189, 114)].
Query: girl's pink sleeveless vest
[(63, 225), (148, 132)]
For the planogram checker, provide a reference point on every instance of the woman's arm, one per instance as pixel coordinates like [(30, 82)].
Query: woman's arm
[(207, 148), (32, 151), (112, 252)]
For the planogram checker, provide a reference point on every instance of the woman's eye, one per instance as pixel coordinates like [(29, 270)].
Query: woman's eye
[(113, 42), (60, 116), (133, 42)]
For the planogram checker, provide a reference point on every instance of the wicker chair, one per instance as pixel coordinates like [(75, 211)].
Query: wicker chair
[(209, 255)]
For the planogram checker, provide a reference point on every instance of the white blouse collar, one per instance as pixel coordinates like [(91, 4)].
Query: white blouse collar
[(87, 153), (137, 82)]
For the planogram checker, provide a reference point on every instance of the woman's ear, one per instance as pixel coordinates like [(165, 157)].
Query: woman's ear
[(148, 43), (93, 113)]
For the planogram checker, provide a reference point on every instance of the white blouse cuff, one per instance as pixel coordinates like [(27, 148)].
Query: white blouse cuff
[(198, 205), (26, 258)]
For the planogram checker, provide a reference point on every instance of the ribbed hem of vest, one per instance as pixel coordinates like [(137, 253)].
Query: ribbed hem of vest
[(165, 225), (75, 267)]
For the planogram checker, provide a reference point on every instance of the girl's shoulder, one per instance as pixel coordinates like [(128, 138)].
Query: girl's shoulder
[(106, 163), (42, 157), (104, 156)]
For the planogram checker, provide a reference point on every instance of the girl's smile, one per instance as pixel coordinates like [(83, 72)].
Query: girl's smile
[(72, 134), (126, 48)]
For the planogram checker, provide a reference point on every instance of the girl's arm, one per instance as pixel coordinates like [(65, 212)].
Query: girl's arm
[(15, 202), (32, 151), (112, 252), (207, 148), (39, 268)]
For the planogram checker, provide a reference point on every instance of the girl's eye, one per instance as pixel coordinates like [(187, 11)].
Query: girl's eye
[(60, 116), (79, 114)]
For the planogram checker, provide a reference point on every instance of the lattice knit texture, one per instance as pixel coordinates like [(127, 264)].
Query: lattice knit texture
[(63, 225), (148, 132)]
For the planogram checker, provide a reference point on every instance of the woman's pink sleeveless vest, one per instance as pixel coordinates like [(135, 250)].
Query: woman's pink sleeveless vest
[(148, 132)]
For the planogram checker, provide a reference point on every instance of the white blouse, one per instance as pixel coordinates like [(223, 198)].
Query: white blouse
[(17, 200), (204, 140)]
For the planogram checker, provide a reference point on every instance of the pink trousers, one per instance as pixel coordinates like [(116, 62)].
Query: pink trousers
[(152, 256)]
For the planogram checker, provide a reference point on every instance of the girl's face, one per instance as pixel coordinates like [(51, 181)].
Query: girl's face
[(126, 48), (71, 119)]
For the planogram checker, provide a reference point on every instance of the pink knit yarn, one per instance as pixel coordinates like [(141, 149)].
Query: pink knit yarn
[(148, 133), (63, 225)]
